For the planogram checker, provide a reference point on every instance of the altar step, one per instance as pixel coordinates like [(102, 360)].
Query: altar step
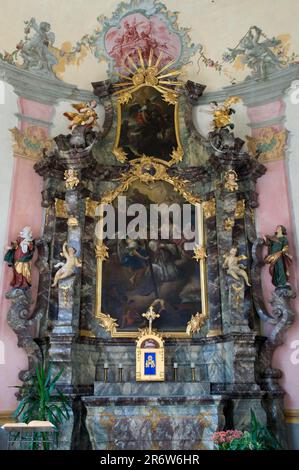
[(152, 389)]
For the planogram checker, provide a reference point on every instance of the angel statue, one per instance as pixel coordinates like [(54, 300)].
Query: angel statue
[(222, 113), (278, 257), (68, 268), (86, 115), (232, 266), (19, 256)]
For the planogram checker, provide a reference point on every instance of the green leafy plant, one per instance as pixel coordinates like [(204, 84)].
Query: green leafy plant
[(258, 438), (41, 400)]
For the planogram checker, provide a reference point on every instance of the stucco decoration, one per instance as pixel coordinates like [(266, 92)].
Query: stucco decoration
[(140, 24), (137, 24), (30, 143), (261, 54), (269, 145)]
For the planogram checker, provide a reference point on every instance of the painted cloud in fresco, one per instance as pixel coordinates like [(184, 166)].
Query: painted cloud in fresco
[(136, 31)]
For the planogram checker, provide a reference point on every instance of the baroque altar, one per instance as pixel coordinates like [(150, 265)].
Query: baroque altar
[(206, 299)]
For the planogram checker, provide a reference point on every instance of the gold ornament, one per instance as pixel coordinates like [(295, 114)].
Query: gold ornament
[(228, 224), (107, 322), (222, 113), (120, 154), (71, 178), (240, 209), (90, 207), (199, 253), (102, 252), (148, 171), (209, 208), (85, 115), (195, 323), (60, 208)]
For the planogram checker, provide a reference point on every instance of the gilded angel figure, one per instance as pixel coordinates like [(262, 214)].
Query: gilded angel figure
[(85, 115)]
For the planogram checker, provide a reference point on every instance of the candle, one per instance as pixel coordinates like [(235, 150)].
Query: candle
[(105, 365), (175, 365)]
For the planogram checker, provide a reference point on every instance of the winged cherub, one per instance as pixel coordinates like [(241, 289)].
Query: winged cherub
[(86, 115), (234, 269), (68, 268), (222, 113)]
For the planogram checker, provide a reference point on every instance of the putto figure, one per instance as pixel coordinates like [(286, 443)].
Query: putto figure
[(230, 180), (278, 257), (233, 267), (36, 51), (68, 268), (222, 113), (19, 256), (85, 115)]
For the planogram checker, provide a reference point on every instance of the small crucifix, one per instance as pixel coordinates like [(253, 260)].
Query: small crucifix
[(150, 315)]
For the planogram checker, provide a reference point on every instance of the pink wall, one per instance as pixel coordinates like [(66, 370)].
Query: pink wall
[(274, 209), (25, 209)]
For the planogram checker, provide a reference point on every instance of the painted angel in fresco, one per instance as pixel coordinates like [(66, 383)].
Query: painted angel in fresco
[(68, 268), (35, 51), (233, 266), (257, 52), (278, 257), (85, 115), (19, 256)]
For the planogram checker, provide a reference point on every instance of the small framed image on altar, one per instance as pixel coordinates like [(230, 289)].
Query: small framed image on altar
[(150, 358)]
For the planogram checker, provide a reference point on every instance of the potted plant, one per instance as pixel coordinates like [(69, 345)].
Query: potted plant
[(41, 400), (258, 438)]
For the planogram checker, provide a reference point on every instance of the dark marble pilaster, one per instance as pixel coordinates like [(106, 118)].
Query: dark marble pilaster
[(214, 303), (226, 206)]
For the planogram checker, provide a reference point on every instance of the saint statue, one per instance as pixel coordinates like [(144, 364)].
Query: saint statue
[(278, 257), (19, 256)]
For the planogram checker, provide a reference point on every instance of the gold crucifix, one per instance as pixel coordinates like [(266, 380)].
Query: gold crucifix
[(150, 315)]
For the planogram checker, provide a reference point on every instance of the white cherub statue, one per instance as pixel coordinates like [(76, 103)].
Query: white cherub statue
[(68, 268), (234, 269)]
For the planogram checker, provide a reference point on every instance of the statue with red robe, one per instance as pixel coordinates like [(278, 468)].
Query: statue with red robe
[(19, 256)]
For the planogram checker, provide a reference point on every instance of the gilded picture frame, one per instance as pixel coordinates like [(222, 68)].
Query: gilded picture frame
[(147, 106), (156, 172)]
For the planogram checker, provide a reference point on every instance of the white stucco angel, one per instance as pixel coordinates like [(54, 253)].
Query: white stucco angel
[(68, 268), (233, 267)]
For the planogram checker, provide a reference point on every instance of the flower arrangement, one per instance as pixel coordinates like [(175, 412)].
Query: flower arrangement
[(258, 438), (223, 439)]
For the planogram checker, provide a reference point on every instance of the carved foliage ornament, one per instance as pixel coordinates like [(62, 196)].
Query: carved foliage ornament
[(30, 142), (269, 145), (148, 171)]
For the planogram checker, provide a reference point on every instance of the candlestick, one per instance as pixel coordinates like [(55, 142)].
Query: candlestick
[(106, 368), (175, 371), (120, 372), (193, 371)]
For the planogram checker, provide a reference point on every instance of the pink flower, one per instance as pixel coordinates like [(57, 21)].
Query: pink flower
[(225, 437)]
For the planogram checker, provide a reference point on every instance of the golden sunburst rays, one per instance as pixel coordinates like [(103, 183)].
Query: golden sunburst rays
[(147, 72)]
